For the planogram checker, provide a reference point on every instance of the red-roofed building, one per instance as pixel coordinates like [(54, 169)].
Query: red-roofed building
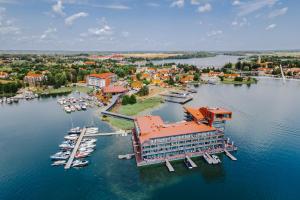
[(155, 141), (3, 75), (114, 90), (101, 80), (33, 78)]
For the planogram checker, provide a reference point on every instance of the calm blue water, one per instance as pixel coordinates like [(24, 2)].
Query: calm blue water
[(265, 127), (217, 61)]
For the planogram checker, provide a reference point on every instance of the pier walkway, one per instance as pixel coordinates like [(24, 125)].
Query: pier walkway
[(181, 101), (229, 155), (169, 166), (112, 114), (191, 161), (69, 163), (117, 115), (107, 134)]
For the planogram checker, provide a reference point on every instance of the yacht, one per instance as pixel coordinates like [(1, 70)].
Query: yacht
[(59, 162), (80, 163), (216, 158), (60, 156), (67, 146), (71, 137), (82, 154), (76, 130), (188, 164), (73, 109)]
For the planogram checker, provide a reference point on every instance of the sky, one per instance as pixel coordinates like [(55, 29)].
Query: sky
[(149, 25)]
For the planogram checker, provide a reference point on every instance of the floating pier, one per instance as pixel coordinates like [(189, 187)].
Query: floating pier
[(117, 115), (181, 101), (169, 166), (182, 96), (107, 134), (191, 161), (230, 155), (208, 158), (71, 158)]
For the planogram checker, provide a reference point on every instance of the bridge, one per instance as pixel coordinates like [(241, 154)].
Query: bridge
[(106, 111)]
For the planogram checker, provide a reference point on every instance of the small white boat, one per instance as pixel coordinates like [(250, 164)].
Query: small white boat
[(66, 146), (59, 162), (216, 158), (76, 130), (78, 107), (73, 109), (80, 163), (71, 137), (82, 154), (86, 145)]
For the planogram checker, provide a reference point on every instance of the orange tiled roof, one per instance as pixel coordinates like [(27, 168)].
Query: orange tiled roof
[(103, 75), (3, 74), (33, 75), (195, 112), (114, 89), (153, 127)]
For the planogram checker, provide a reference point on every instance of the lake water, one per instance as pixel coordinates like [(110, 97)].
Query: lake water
[(217, 61), (265, 127)]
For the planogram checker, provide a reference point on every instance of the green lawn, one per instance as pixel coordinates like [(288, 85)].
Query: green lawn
[(131, 110), (232, 81), (140, 106), (120, 123)]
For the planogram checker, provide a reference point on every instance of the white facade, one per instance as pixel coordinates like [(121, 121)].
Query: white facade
[(96, 82)]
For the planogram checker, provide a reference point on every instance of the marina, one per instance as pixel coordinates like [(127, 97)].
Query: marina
[(251, 128)]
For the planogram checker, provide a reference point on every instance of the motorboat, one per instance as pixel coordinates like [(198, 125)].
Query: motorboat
[(73, 109), (59, 162), (78, 107), (82, 154), (71, 137), (76, 130), (216, 158), (86, 150), (83, 107), (92, 140), (80, 163), (60, 156), (67, 109), (87, 145), (187, 163), (66, 146)]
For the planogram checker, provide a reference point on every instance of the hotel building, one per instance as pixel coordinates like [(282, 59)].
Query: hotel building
[(101, 80), (203, 131)]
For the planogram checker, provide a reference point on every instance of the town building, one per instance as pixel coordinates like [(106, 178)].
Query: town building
[(114, 90), (101, 80), (4, 75), (34, 79), (203, 131)]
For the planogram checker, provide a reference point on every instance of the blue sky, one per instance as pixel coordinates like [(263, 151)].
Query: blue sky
[(132, 25)]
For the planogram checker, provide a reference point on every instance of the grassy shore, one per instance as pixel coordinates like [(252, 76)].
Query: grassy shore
[(133, 110), (64, 90), (232, 81)]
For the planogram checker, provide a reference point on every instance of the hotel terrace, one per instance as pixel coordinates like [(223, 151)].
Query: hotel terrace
[(203, 131)]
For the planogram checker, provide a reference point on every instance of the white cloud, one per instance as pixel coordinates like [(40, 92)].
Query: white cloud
[(278, 12), (253, 6), (99, 32), (214, 33), (58, 8), (240, 23), (177, 3), (113, 6), (236, 3), (195, 2), (70, 20), (48, 33), (205, 8), (271, 26), (152, 4), (7, 26)]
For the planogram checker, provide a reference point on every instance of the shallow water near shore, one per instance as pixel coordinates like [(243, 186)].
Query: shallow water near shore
[(265, 127)]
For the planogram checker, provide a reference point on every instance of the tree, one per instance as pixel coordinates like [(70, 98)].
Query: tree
[(132, 99), (239, 79), (144, 91), (196, 77)]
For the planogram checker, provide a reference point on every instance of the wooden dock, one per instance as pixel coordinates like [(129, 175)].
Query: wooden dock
[(230, 155), (181, 101), (208, 158), (106, 134), (175, 95), (169, 166), (191, 161), (117, 115), (72, 156)]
